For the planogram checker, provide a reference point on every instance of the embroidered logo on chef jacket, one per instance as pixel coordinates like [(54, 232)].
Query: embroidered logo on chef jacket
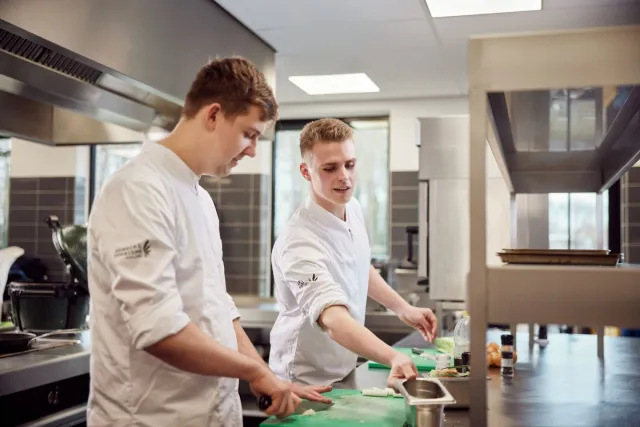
[(303, 283), (134, 251)]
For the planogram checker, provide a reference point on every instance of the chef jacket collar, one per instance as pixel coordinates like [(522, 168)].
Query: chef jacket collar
[(174, 163), (327, 218)]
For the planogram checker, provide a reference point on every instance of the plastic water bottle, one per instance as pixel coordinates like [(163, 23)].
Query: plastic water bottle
[(461, 336)]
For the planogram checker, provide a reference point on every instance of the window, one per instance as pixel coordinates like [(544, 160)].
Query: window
[(5, 163), (573, 220), (372, 189), (108, 159)]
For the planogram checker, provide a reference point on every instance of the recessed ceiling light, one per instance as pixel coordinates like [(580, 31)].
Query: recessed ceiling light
[(335, 83), (446, 8)]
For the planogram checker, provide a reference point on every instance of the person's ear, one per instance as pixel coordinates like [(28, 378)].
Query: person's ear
[(304, 170), (212, 116)]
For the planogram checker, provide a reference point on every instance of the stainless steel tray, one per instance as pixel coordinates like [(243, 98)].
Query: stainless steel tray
[(559, 257)]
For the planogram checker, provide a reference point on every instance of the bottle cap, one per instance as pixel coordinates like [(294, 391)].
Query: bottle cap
[(506, 339)]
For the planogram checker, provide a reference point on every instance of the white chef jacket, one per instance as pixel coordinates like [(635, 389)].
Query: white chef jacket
[(318, 260), (155, 262)]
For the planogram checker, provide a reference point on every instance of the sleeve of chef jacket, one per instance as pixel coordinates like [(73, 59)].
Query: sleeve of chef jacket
[(235, 314), (136, 240), (305, 267)]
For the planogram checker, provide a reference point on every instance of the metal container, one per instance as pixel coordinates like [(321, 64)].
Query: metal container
[(459, 389), (424, 400)]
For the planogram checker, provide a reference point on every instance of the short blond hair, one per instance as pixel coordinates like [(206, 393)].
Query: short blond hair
[(323, 130)]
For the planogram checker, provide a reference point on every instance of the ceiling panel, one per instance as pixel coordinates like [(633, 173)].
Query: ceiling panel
[(270, 14), (416, 73), (374, 38), (460, 28)]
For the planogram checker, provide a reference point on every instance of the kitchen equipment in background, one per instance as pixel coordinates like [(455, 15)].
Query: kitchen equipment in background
[(47, 306), (18, 342), (410, 262), (560, 257), (8, 257), (425, 399), (405, 275)]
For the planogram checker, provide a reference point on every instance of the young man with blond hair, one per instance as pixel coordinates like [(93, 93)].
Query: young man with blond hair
[(323, 273), (167, 347)]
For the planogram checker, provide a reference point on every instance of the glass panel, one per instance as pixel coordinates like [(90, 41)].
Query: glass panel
[(583, 221), (110, 158), (372, 188), (558, 221), (291, 188), (583, 119), (5, 164)]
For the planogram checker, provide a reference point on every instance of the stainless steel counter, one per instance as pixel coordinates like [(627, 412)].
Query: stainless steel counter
[(30, 370), (262, 313)]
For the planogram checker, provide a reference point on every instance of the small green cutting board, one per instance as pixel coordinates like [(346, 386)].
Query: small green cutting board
[(350, 409), (422, 363)]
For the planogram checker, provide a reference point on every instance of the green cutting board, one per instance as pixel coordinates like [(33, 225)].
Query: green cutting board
[(350, 409), (421, 363)]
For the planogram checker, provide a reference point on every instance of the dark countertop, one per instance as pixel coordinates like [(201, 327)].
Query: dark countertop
[(564, 385), (26, 371)]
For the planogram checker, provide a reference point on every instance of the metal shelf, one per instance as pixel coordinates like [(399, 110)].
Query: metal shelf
[(528, 94), (594, 296)]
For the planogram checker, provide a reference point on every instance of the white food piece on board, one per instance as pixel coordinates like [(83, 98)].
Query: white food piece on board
[(379, 392), (308, 412)]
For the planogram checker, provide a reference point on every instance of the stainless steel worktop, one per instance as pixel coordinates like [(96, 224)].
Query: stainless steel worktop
[(258, 312)]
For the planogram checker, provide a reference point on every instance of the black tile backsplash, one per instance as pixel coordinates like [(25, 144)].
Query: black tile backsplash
[(630, 223), (31, 200), (242, 204), (403, 212)]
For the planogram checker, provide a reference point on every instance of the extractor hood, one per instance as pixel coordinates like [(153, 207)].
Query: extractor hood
[(109, 71)]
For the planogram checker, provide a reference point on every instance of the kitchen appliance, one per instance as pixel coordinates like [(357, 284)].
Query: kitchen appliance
[(425, 399), (41, 307), (60, 87), (19, 342)]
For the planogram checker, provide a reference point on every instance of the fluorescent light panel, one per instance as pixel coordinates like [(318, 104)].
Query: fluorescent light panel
[(447, 8), (331, 84)]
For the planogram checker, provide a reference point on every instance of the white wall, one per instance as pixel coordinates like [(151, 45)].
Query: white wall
[(30, 159), (403, 117)]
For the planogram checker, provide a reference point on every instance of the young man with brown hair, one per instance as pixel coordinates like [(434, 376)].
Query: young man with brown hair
[(323, 273), (167, 347)]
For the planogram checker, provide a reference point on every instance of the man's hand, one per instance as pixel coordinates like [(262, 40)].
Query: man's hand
[(402, 367), (310, 392), (421, 319), (283, 401)]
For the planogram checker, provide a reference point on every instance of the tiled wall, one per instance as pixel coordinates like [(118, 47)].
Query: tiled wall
[(243, 205), (404, 212), (630, 199), (31, 200)]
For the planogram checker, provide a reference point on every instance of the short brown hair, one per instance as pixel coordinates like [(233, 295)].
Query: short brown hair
[(236, 84), (323, 130)]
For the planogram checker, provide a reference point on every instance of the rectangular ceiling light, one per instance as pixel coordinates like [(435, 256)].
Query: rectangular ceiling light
[(447, 8), (330, 84)]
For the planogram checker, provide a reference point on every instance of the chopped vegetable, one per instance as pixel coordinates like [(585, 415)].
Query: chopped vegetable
[(444, 344)]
